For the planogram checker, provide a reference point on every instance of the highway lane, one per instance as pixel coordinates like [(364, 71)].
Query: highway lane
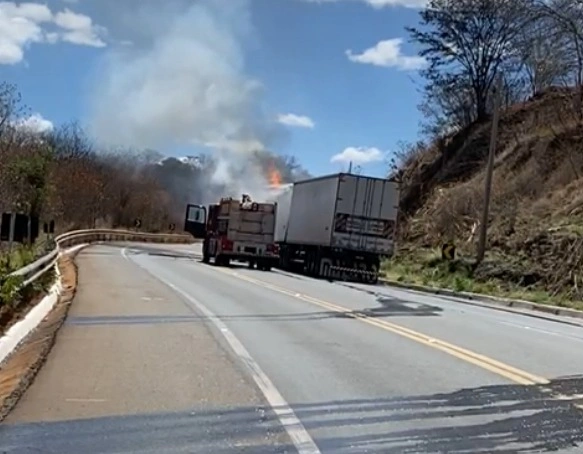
[(134, 370), (540, 346), (414, 374), (404, 376)]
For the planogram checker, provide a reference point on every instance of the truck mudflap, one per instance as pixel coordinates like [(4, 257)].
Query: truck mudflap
[(368, 276)]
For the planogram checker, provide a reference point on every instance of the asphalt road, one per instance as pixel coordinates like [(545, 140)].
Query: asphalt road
[(319, 367)]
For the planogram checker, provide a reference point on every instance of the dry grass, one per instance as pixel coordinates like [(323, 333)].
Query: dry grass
[(500, 276), (536, 213)]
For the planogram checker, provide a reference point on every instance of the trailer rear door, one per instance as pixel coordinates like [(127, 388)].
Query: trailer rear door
[(366, 214)]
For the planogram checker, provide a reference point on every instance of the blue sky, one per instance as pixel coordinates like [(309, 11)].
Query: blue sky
[(309, 77)]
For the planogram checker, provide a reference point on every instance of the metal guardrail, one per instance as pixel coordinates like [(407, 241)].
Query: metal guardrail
[(35, 270)]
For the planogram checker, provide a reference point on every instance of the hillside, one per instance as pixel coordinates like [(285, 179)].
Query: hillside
[(536, 214)]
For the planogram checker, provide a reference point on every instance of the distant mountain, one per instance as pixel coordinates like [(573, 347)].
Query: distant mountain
[(194, 161)]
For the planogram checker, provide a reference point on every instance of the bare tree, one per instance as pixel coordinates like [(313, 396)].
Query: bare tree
[(466, 42), (61, 176), (11, 108), (568, 17), (541, 48), (446, 107)]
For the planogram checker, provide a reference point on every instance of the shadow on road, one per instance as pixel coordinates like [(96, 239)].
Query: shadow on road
[(172, 254), (491, 419), (501, 419), (392, 307), (171, 319)]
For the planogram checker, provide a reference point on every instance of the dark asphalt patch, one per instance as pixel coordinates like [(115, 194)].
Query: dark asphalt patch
[(218, 431)]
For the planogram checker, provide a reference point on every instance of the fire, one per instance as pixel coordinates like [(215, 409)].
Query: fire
[(274, 176)]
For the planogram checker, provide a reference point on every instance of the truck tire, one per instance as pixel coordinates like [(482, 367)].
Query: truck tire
[(206, 258), (221, 260)]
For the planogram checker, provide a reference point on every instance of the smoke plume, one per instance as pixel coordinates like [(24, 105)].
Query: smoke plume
[(178, 79)]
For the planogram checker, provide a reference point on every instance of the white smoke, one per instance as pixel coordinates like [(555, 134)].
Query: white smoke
[(181, 81)]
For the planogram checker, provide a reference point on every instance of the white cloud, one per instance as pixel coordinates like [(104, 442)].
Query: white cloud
[(358, 155), (79, 29), (19, 26), (36, 12), (388, 54), (378, 4), (36, 123), (23, 24), (299, 121)]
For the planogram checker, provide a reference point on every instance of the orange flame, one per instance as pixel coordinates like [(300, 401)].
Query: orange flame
[(274, 176)]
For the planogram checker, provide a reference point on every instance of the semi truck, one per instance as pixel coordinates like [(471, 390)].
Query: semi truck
[(337, 226), (233, 229)]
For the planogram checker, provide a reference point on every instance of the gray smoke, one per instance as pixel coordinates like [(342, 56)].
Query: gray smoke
[(177, 78)]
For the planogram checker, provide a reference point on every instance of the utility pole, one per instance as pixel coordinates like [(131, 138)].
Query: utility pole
[(11, 231), (490, 170), (350, 167)]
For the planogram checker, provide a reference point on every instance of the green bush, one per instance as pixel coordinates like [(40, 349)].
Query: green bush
[(10, 291), (10, 286)]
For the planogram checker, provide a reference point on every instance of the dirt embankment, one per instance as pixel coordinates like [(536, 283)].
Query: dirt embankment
[(536, 214)]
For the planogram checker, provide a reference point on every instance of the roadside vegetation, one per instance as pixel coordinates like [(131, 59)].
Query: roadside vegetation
[(535, 238), (61, 175)]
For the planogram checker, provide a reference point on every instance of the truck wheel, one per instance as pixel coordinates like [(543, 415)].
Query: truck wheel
[(221, 260), (284, 258), (251, 264), (266, 266), (375, 269), (206, 258)]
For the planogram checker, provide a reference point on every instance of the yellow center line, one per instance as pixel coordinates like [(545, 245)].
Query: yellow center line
[(497, 367), (511, 373)]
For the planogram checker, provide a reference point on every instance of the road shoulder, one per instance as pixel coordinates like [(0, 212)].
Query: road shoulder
[(131, 347)]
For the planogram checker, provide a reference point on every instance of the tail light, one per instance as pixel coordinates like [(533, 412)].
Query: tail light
[(273, 249), (226, 244)]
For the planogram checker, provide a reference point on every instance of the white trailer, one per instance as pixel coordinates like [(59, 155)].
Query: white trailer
[(337, 226)]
